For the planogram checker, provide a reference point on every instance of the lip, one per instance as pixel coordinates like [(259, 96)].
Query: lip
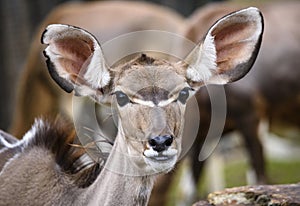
[(161, 158), (164, 156), (160, 161)]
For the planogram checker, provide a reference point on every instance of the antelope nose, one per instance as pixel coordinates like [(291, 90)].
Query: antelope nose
[(161, 143)]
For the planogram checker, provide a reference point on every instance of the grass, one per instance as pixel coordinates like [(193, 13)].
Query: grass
[(279, 172)]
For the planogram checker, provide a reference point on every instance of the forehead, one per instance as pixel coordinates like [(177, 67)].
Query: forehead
[(145, 72)]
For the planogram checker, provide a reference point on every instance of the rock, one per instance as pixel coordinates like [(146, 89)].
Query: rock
[(202, 203), (264, 195)]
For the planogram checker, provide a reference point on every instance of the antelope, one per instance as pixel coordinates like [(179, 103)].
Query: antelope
[(149, 95), (268, 93)]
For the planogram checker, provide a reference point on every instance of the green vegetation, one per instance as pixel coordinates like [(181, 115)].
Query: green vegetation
[(279, 172)]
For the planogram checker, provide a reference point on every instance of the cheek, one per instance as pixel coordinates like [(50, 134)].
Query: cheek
[(176, 119), (136, 146), (133, 121)]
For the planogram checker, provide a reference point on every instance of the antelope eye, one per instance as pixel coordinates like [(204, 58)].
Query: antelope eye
[(122, 98), (183, 95)]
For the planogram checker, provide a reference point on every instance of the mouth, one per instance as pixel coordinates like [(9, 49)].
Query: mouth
[(160, 156), (161, 161)]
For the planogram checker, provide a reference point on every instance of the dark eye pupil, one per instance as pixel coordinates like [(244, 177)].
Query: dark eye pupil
[(183, 95), (122, 98)]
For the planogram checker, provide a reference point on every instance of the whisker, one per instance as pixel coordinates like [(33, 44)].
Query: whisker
[(99, 134), (108, 116), (88, 145), (93, 143), (88, 128)]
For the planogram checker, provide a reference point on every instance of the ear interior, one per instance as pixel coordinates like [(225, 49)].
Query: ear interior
[(74, 59), (74, 53), (237, 40), (228, 50)]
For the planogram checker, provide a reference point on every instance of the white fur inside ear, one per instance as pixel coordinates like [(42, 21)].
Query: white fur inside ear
[(97, 73), (218, 79), (203, 61)]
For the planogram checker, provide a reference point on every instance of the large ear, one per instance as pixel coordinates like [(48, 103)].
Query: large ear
[(228, 50), (75, 60)]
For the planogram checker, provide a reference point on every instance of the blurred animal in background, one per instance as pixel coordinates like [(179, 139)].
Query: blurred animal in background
[(150, 96), (270, 92)]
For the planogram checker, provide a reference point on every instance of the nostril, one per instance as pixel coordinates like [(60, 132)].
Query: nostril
[(152, 142), (169, 140), (161, 143)]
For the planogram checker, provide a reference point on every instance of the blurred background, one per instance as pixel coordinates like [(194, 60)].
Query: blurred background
[(229, 166)]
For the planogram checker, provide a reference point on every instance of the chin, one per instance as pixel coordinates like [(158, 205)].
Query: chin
[(160, 165)]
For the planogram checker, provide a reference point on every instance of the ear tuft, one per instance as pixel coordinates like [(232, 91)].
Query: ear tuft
[(204, 58)]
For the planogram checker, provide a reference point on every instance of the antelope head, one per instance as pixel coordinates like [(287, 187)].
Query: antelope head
[(150, 94)]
